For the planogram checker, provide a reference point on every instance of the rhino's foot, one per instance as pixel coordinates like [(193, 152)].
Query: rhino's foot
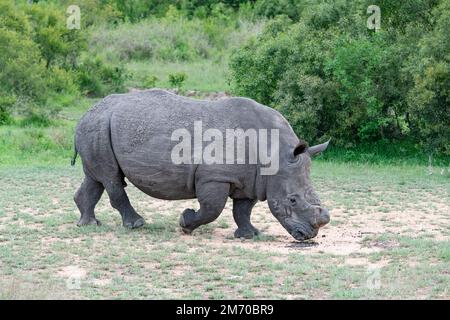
[(186, 221), (247, 233), (88, 221), (133, 223)]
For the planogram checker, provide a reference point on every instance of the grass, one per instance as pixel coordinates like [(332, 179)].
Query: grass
[(45, 145), (160, 47), (384, 152), (39, 243), (34, 143), (206, 76)]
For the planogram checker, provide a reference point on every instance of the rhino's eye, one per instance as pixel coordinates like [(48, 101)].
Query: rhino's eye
[(292, 201)]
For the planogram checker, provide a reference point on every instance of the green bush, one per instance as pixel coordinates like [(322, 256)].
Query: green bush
[(40, 67), (176, 80), (273, 8), (96, 78), (331, 76), (257, 67), (6, 105), (58, 45), (22, 72), (150, 81), (136, 10)]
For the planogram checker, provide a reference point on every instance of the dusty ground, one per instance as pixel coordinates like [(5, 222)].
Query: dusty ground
[(388, 238)]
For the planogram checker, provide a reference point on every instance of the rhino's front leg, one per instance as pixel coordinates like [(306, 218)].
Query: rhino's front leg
[(212, 197), (242, 209)]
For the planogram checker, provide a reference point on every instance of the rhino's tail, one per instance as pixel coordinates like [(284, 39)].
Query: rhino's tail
[(75, 153)]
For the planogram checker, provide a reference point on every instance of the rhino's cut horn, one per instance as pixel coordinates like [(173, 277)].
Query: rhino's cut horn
[(318, 148)]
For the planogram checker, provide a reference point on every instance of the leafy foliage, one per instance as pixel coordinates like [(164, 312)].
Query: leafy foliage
[(315, 61), (331, 76), (98, 79), (177, 79), (40, 62)]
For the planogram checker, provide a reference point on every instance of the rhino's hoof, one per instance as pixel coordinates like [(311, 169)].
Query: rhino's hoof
[(139, 222), (88, 222), (186, 220), (186, 230), (246, 233)]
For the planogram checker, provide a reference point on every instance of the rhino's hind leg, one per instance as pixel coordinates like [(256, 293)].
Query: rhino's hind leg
[(86, 198), (212, 197), (242, 209), (119, 200)]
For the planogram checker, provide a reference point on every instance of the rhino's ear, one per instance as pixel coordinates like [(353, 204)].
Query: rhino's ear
[(301, 147), (318, 148)]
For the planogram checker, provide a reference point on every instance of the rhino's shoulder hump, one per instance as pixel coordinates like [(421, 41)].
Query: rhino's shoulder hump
[(261, 111), (247, 103)]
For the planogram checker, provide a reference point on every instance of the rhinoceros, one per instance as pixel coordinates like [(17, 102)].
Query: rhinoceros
[(131, 136)]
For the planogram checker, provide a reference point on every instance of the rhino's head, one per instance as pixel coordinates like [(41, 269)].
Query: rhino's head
[(291, 196)]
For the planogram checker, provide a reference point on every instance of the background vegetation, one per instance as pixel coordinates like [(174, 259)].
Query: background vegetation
[(382, 96), (332, 76)]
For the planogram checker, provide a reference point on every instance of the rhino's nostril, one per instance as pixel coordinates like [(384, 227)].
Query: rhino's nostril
[(324, 217)]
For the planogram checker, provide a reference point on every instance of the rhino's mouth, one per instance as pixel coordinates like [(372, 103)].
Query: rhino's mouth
[(301, 235), (302, 231), (298, 229)]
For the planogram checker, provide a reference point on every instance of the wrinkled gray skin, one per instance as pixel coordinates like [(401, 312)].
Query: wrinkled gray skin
[(129, 135)]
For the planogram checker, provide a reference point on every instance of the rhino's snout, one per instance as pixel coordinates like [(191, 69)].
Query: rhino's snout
[(323, 217), (300, 234), (302, 225), (304, 231)]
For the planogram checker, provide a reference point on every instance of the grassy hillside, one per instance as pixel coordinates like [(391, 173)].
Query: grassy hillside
[(158, 47)]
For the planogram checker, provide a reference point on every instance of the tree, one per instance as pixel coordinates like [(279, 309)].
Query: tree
[(429, 99)]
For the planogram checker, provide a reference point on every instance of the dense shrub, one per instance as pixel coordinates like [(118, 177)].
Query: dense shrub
[(136, 10), (258, 66), (429, 98), (273, 8), (331, 76), (176, 80), (22, 72), (98, 79), (58, 45), (40, 71), (6, 105)]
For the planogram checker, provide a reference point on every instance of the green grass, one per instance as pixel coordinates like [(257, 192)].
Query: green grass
[(384, 152), (31, 145), (205, 76), (168, 45), (39, 240)]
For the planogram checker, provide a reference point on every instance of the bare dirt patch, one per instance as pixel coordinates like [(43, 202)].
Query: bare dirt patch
[(73, 272), (343, 238)]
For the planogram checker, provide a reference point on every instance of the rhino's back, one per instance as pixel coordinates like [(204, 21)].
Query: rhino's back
[(141, 126)]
